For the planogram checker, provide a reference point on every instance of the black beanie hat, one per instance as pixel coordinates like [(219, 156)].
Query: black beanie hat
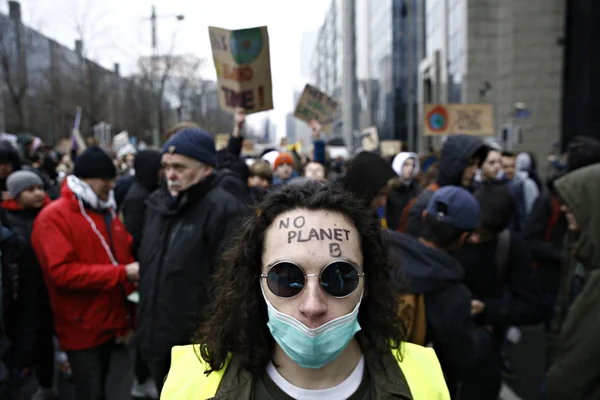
[(367, 175), (94, 163)]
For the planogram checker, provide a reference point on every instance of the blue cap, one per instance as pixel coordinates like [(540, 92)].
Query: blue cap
[(462, 208), (193, 143)]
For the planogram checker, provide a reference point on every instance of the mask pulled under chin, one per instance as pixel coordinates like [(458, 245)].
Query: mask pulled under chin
[(312, 348)]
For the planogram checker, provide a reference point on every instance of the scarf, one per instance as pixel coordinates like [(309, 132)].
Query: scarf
[(84, 192)]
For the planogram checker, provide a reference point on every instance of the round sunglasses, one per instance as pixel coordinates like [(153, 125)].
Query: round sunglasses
[(338, 279)]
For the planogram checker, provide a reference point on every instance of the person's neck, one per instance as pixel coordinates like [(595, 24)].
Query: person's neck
[(327, 377)]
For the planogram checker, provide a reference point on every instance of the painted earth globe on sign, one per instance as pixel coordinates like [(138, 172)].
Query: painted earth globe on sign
[(246, 45)]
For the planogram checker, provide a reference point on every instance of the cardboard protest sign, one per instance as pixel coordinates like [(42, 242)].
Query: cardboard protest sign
[(453, 119), (370, 139), (221, 140), (390, 148), (120, 141), (243, 64), (314, 104)]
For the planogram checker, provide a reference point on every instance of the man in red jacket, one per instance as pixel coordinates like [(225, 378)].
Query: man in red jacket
[(84, 251)]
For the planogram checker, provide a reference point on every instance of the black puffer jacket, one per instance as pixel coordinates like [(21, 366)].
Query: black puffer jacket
[(180, 249), (455, 157)]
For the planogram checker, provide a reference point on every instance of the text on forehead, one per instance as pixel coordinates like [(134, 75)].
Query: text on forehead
[(302, 236)]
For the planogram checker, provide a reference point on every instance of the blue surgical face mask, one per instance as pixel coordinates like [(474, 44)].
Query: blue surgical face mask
[(312, 348)]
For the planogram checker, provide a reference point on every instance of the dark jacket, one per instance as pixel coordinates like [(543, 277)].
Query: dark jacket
[(147, 165), (397, 200), (183, 240), (512, 299), (39, 322), (454, 158), (574, 373), (546, 252), (20, 309), (122, 186), (457, 339), (235, 184)]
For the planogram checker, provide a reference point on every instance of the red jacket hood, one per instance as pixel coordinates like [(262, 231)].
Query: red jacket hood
[(12, 205)]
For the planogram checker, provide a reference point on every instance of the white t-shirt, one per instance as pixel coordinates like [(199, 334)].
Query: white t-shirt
[(339, 392)]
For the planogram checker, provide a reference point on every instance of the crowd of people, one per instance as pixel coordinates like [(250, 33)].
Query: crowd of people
[(293, 275)]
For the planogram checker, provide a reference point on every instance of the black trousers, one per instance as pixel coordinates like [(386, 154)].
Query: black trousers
[(90, 370), (159, 370)]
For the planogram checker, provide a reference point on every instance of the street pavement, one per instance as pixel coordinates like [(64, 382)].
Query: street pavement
[(527, 358)]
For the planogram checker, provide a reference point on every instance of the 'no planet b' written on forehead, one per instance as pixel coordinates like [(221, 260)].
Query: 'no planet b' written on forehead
[(299, 235)]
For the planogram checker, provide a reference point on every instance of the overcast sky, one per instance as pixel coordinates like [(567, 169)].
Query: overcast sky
[(115, 31)]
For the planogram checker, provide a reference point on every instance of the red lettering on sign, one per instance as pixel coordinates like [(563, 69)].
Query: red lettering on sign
[(234, 99), (238, 74)]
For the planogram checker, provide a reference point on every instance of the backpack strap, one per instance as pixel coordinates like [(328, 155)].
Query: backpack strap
[(555, 216), (502, 250)]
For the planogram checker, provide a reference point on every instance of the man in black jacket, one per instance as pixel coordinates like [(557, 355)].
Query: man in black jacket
[(147, 177), (187, 223), (498, 272)]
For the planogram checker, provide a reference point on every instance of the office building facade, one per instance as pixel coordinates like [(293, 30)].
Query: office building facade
[(497, 52)]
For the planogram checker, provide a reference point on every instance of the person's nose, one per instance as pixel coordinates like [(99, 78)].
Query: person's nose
[(314, 299), (171, 174)]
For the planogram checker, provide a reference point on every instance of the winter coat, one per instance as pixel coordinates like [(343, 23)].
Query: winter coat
[(21, 223), (147, 166), (546, 243), (87, 292), (482, 276), (457, 339), (21, 317), (454, 158), (574, 373), (399, 197), (180, 250)]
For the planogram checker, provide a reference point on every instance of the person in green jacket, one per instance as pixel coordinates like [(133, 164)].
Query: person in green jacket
[(574, 373), (303, 308)]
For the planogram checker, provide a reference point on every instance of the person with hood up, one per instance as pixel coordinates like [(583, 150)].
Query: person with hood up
[(27, 200), (406, 166), (368, 179), (437, 280), (547, 226), (148, 175), (187, 223), (574, 373), (525, 167), (459, 160), (84, 252)]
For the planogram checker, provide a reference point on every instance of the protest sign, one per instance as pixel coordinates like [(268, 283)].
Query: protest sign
[(243, 65), (120, 141), (389, 148), (453, 119), (221, 140), (369, 139), (314, 104)]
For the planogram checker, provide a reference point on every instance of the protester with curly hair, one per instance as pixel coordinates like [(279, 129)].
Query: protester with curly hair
[(303, 308)]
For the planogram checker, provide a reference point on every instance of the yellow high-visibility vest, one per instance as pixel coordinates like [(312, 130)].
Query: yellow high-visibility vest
[(419, 365)]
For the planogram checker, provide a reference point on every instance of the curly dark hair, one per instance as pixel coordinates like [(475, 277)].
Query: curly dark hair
[(236, 319)]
